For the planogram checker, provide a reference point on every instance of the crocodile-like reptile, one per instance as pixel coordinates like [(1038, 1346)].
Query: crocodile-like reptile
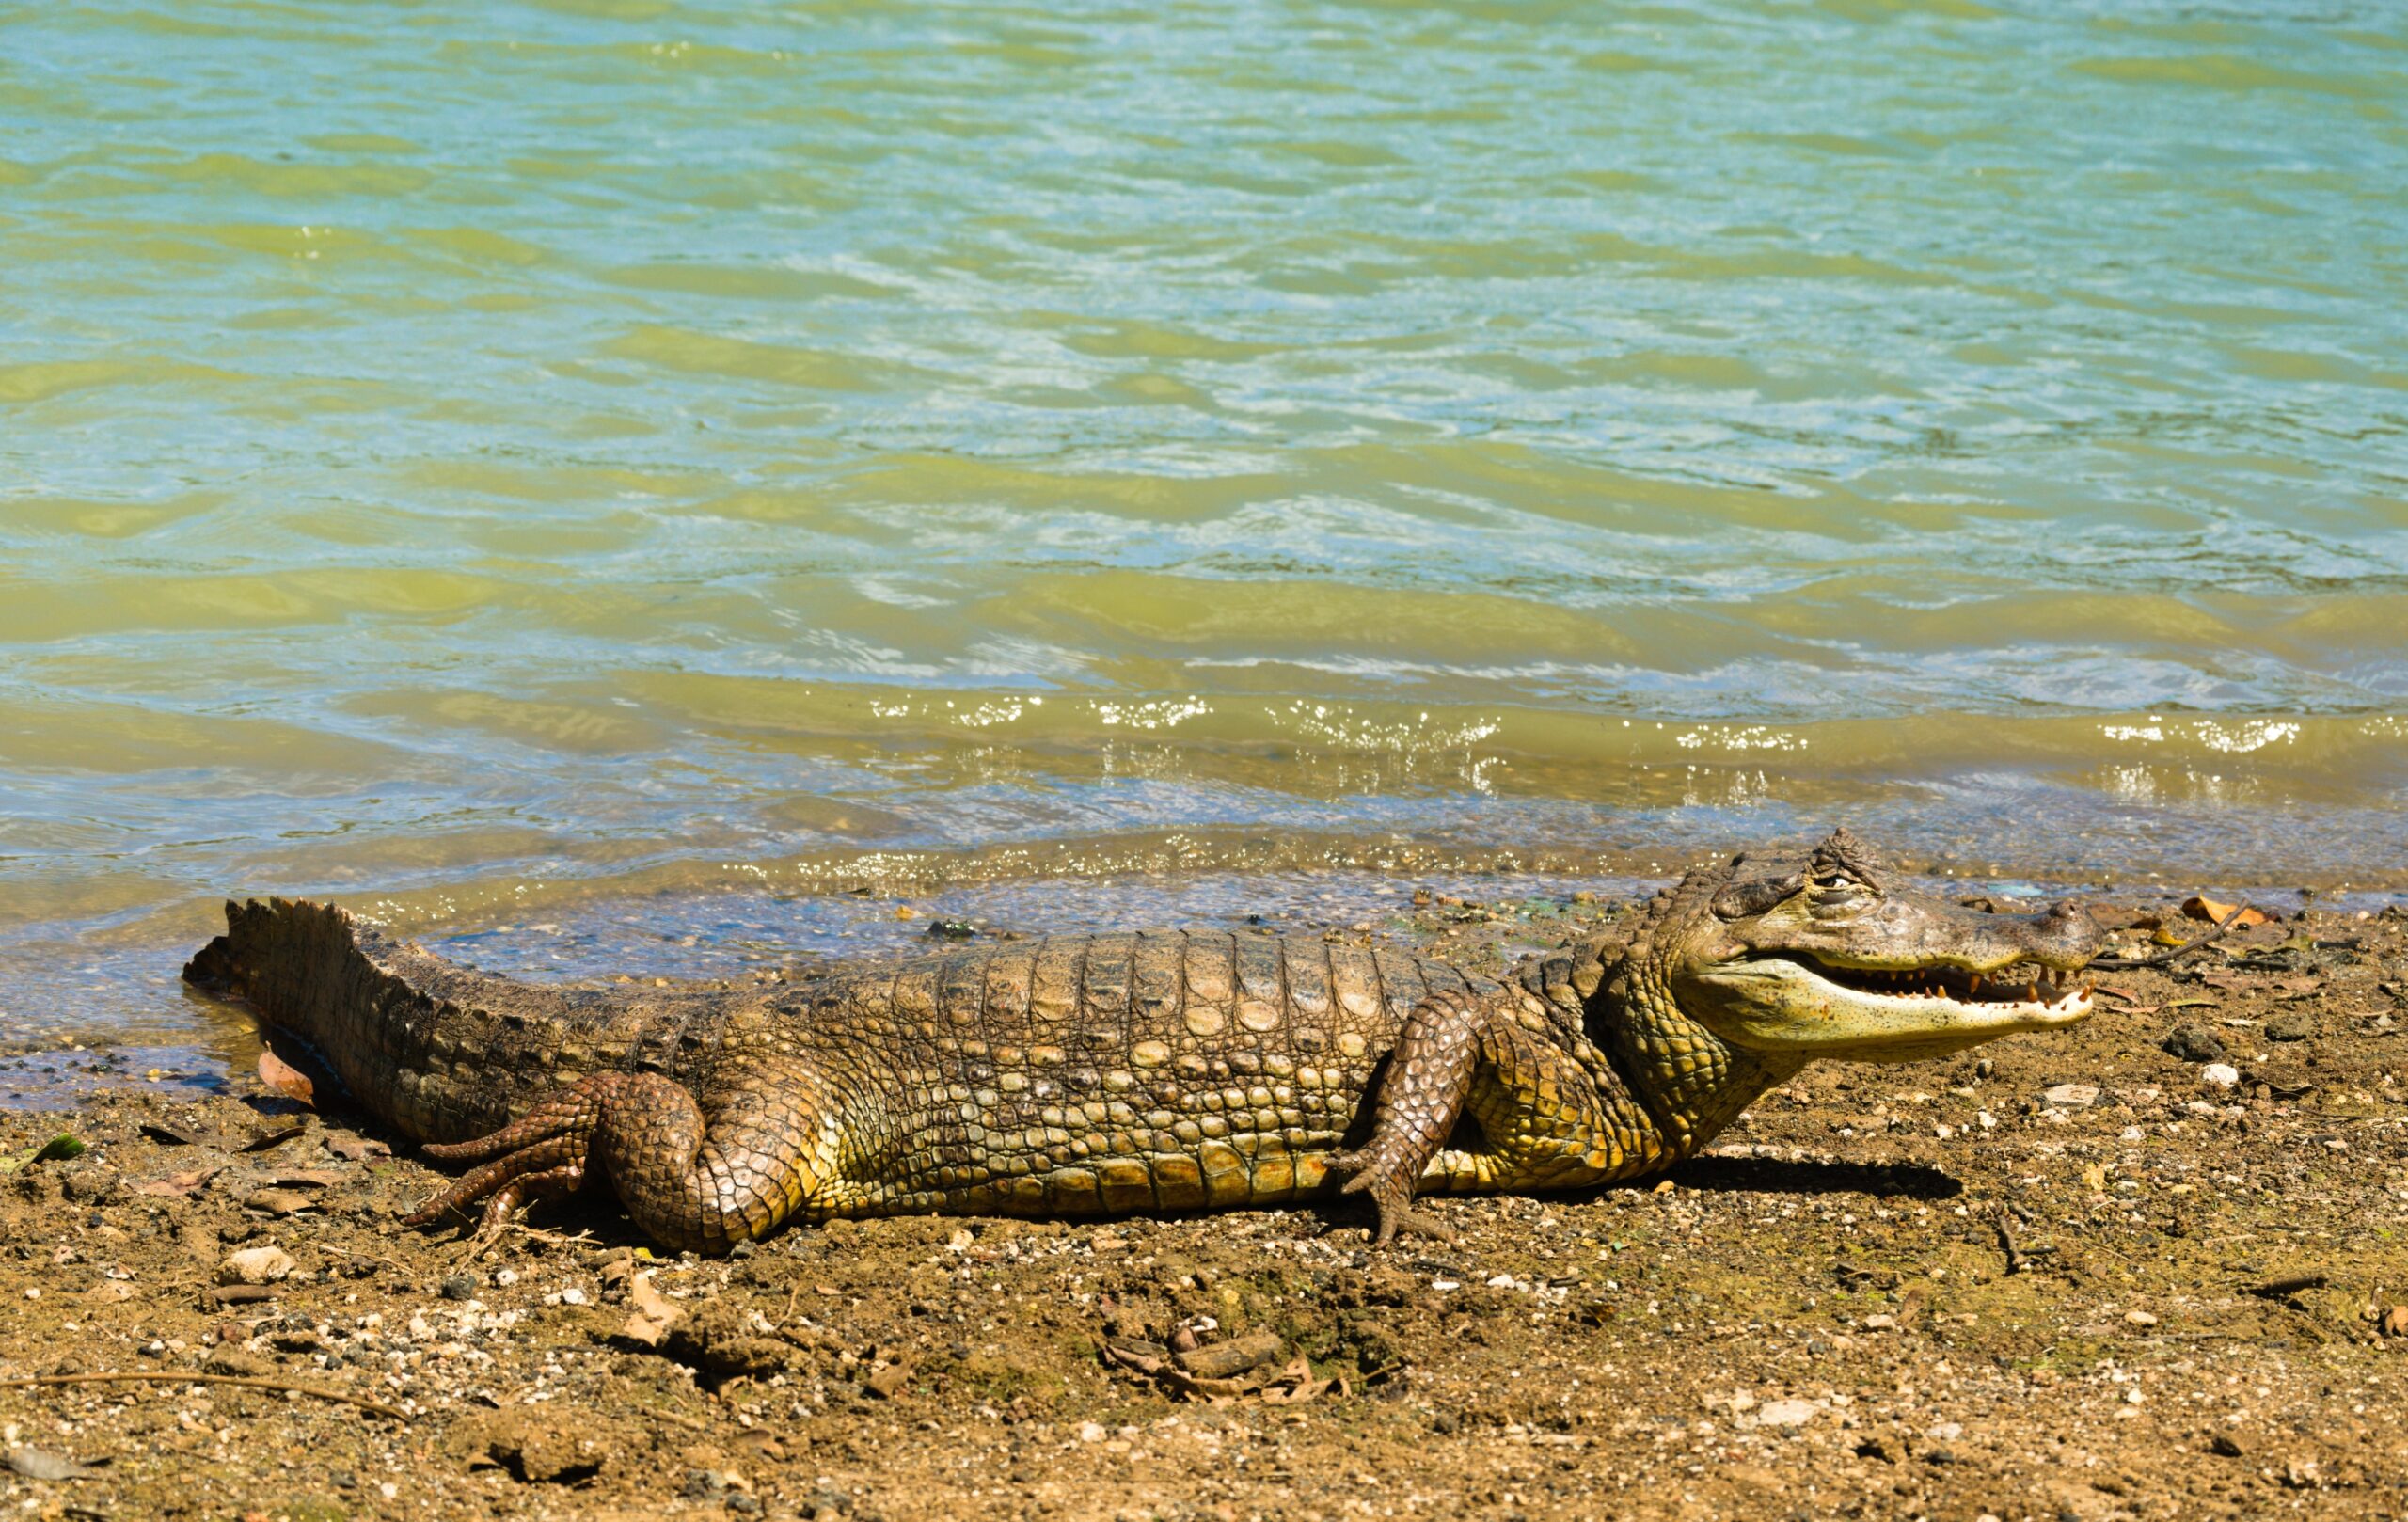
[(1150, 1072)]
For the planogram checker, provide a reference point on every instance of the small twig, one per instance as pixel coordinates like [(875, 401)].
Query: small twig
[(582, 1239), (151, 1377), (2016, 1262), (2117, 964), (2019, 1256)]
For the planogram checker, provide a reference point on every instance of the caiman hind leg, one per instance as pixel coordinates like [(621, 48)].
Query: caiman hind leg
[(1542, 1123), (690, 1181)]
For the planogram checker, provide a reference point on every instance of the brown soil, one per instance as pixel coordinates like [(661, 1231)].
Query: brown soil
[(1924, 1291)]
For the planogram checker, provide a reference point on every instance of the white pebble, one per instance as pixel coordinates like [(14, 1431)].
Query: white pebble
[(2220, 1075)]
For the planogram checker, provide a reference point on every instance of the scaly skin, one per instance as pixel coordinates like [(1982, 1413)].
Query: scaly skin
[(1135, 1073)]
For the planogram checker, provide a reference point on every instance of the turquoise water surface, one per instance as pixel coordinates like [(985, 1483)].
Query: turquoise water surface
[(478, 460)]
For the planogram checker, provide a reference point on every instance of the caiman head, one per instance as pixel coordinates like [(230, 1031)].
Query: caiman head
[(1839, 959)]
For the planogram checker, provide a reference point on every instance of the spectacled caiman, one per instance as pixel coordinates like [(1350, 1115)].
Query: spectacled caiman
[(1158, 1070)]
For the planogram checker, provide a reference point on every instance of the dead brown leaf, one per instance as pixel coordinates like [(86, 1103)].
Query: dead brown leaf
[(283, 1078), (272, 1136), (2216, 914), (1226, 1360), (1290, 1385), (355, 1148), (179, 1136), (279, 1201), (176, 1185)]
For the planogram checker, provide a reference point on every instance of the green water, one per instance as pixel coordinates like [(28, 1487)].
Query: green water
[(475, 458)]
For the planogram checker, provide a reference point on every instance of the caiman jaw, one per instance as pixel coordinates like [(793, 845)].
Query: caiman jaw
[(2021, 984), (1798, 1002)]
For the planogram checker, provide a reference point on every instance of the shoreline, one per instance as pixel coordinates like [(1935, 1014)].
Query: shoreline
[(63, 999)]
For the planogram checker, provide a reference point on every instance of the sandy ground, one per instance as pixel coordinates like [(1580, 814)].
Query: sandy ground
[(2045, 1280)]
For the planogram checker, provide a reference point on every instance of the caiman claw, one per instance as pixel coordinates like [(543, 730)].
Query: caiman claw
[(1391, 1191)]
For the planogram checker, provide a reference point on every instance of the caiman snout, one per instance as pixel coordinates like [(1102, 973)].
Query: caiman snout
[(2064, 937)]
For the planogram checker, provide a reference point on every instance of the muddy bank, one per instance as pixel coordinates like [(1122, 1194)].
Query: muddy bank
[(2080, 1275)]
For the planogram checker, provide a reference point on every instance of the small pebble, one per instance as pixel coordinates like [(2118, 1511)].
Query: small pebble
[(2220, 1075)]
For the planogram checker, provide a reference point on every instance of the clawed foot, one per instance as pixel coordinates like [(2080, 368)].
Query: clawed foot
[(540, 1156), (1391, 1193)]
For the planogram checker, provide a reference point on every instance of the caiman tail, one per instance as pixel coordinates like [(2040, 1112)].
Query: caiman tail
[(438, 1051)]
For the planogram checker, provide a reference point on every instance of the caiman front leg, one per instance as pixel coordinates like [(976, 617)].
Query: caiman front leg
[(1542, 1123), (690, 1182)]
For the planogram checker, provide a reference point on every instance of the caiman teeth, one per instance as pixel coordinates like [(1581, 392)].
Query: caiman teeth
[(2045, 986)]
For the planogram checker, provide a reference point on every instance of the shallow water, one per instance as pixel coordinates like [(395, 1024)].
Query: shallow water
[(488, 460)]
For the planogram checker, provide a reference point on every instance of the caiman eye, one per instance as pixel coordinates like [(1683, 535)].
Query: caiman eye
[(1837, 890)]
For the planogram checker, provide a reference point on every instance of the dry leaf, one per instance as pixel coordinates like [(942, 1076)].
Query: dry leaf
[(279, 1201), (178, 1184), (1289, 1386), (276, 1136), (357, 1148), (1226, 1360), (179, 1136), (653, 1315), (2208, 909), (307, 1178), (283, 1078)]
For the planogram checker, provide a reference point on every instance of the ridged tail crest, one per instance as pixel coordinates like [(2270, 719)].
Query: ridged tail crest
[(438, 1051)]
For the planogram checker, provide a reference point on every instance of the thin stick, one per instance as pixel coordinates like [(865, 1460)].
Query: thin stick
[(2161, 959), (149, 1377)]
